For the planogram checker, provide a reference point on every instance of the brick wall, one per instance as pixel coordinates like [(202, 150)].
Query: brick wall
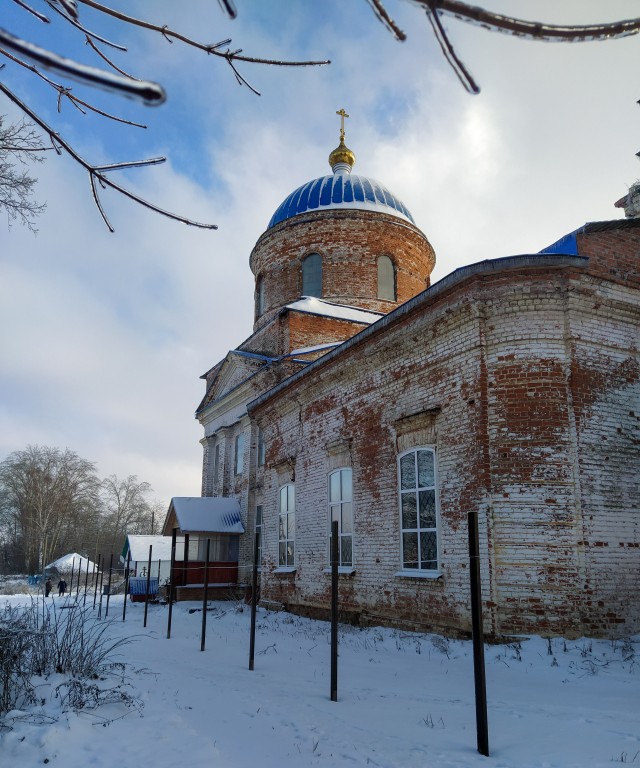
[(526, 382), (349, 242), (290, 329)]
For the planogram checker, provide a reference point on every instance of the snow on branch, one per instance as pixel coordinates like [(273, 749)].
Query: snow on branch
[(496, 22), (97, 173)]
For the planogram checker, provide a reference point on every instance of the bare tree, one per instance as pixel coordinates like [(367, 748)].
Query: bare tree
[(46, 494), (127, 509), (20, 145)]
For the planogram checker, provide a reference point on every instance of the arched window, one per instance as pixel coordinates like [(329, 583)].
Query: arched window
[(341, 510), (418, 509), (287, 526), (259, 297), (312, 275), (386, 279)]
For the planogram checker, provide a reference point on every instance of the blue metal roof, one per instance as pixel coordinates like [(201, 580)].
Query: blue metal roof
[(340, 190), (565, 245)]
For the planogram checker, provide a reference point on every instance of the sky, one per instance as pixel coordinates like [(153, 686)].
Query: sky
[(103, 337), (405, 700)]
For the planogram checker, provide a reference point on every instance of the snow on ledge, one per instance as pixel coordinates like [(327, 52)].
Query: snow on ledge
[(317, 306), (317, 348)]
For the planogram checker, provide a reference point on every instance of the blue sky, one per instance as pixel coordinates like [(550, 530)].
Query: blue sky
[(105, 335)]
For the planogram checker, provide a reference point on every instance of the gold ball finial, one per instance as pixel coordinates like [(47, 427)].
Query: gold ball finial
[(342, 155)]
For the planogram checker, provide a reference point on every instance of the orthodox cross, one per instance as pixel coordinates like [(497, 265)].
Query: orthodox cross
[(342, 114)]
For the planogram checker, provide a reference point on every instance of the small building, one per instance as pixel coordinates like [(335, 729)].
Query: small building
[(71, 563), (138, 547), (201, 523)]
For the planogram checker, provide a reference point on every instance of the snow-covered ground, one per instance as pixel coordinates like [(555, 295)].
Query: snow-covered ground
[(405, 699)]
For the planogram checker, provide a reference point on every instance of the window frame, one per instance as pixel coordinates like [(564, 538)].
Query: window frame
[(420, 571), (260, 296), (384, 259), (288, 512), (305, 267), (259, 522), (339, 504)]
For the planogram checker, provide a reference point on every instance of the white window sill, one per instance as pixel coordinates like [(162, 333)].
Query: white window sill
[(344, 569), (285, 569), (416, 574)]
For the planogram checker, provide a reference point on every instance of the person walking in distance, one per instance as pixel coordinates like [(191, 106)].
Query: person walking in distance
[(62, 587), (48, 586)]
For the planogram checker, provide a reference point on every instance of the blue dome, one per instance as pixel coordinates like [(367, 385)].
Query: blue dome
[(340, 190)]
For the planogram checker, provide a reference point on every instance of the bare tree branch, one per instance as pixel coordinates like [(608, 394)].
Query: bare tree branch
[(149, 93), (208, 48), (381, 12), (451, 56), (59, 143), (66, 92), (87, 32), (32, 11), (229, 7), (532, 30), (122, 82)]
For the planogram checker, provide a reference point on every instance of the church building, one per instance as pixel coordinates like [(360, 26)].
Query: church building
[(369, 396)]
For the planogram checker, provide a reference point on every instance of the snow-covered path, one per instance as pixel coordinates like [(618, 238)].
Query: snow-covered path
[(405, 700)]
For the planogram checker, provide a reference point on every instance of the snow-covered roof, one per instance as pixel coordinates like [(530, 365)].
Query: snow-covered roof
[(197, 514), (339, 311), (317, 348), (72, 561), (139, 547)]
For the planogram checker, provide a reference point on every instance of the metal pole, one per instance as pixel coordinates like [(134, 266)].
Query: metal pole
[(205, 597), (101, 592), (96, 571), (86, 582), (126, 585), (172, 577), (185, 561), (254, 598), (482, 726), (146, 594), (106, 613), (334, 610), (73, 567)]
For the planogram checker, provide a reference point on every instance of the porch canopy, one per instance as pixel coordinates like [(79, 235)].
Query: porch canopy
[(208, 514), (210, 523)]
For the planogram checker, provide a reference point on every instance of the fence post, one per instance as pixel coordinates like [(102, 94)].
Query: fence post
[(126, 585), (148, 587), (96, 571), (73, 567), (477, 634), (172, 577), (205, 597), (254, 598), (101, 591), (86, 583), (106, 613), (334, 610)]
